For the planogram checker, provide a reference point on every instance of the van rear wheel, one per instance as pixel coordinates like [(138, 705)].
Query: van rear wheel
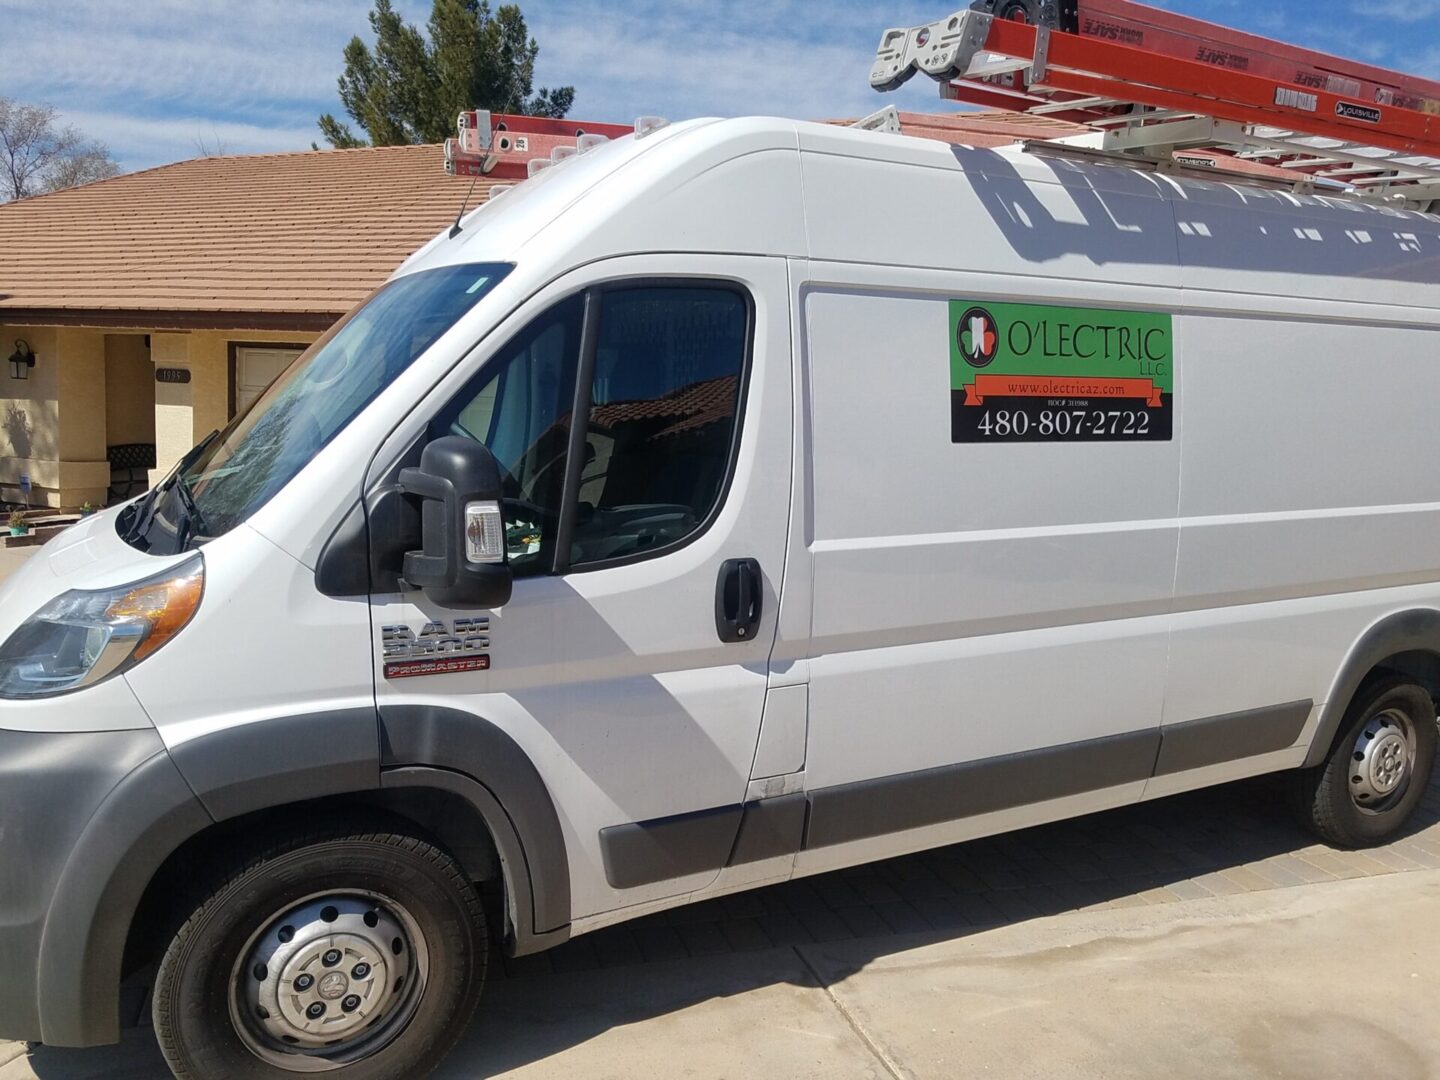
[(1377, 771), (356, 954)]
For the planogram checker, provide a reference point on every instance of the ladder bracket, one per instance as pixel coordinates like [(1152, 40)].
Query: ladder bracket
[(886, 120), (942, 49), (474, 129), (1039, 65)]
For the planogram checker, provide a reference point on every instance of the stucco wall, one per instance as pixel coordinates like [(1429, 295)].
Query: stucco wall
[(81, 356), (29, 409), (129, 390), (52, 424)]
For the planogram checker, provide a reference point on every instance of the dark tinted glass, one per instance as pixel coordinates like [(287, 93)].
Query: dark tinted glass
[(519, 406), (665, 398)]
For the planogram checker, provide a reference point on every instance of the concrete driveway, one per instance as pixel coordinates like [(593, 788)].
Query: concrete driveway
[(1203, 935), (1329, 980)]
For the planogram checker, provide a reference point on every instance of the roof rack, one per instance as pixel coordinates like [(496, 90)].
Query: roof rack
[(502, 145), (1156, 86)]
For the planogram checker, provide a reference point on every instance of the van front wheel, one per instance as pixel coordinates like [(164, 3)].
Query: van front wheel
[(1377, 771), (353, 953)]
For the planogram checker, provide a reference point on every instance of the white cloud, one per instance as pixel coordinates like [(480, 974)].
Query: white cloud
[(690, 58), (168, 50), (150, 141), (150, 77), (1406, 11)]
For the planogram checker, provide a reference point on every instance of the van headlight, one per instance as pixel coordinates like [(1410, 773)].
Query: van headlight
[(82, 637)]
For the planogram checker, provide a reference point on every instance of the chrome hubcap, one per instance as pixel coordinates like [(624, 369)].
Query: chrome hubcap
[(328, 982), (1382, 761)]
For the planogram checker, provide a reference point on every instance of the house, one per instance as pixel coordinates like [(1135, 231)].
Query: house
[(153, 306), (157, 304)]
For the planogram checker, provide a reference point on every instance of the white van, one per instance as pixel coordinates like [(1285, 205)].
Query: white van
[(739, 502)]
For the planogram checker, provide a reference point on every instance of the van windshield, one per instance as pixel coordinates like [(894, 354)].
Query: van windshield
[(233, 473)]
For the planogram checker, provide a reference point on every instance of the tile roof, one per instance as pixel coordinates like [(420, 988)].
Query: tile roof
[(985, 129), (302, 234), (693, 406)]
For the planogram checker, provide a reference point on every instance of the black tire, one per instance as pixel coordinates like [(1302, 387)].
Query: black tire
[(1330, 795), (197, 1007)]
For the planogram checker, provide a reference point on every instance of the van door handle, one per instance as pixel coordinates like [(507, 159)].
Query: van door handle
[(739, 592)]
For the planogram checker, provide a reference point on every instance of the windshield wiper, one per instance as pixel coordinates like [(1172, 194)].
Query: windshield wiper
[(144, 514), (193, 523), (145, 509)]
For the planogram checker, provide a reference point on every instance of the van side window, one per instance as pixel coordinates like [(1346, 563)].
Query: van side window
[(665, 397), (669, 364), (520, 407)]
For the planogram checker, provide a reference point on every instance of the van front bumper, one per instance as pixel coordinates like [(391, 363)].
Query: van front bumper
[(85, 820)]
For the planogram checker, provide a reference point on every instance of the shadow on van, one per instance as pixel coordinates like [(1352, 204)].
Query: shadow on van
[(1113, 217), (1236, 838)]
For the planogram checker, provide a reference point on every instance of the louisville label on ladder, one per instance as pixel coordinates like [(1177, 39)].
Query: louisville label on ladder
[(1152, 82)]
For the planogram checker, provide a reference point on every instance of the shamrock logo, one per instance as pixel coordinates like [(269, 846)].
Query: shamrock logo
[(978, 336)]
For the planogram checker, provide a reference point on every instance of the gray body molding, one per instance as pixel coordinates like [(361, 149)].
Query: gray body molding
[(1406, 631), (86, 819), (643, 852), (349, 751), (91, 817), (1214, 740), (518, 807), (286, 759)]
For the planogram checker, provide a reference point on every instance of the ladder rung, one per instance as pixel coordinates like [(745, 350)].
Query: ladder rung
[(1079, 105)]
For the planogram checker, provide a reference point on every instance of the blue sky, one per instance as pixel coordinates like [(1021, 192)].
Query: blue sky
[(152, 78)]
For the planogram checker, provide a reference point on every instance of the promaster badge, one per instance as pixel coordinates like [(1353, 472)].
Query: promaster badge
[(438, 649)]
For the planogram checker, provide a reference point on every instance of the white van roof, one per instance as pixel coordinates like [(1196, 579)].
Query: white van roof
[(778, 187)]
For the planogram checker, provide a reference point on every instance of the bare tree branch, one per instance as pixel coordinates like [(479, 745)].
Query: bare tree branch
[(86, 165), (214, 146), (38, 155)]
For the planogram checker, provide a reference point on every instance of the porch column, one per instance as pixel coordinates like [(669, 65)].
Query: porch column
[(174, 408), (84, 467)]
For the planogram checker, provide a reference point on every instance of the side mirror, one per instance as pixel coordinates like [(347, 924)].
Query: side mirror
[(462, 561)]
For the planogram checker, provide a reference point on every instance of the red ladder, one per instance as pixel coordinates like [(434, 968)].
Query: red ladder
[(1152, 82)]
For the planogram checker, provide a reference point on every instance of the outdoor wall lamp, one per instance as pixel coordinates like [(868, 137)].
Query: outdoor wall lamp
[(21, 360)]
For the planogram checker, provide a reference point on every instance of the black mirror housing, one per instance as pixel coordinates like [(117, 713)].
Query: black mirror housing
[(459, 484)]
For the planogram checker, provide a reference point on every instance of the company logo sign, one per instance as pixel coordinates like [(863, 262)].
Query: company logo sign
[(978, 337), (1054, 373)]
